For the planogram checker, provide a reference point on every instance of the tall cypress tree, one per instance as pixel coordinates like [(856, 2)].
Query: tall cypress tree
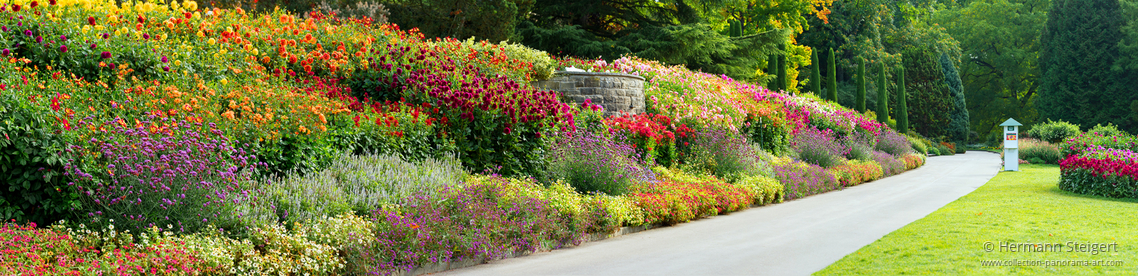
[(902, 106), (816, 75), (782, 85), (772, 69), (1078, 46), (882, 95), (833, 76), (958, 127), (861, 85)]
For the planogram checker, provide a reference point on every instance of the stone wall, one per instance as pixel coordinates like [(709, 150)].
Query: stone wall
[(616, 92)]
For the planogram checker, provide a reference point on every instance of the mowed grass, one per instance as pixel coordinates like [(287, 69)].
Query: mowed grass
[(1015, 207)]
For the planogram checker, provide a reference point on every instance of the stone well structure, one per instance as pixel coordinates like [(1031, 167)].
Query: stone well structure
[(616, 92)]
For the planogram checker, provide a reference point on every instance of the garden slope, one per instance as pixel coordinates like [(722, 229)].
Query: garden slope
[(794, 238)]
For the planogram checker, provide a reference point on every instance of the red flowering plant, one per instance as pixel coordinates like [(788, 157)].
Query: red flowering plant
[(655, 136), (57, 250), (1101, 171)]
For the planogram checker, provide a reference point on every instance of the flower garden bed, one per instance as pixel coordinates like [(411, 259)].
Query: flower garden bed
[(154, 138), (1101, 165)]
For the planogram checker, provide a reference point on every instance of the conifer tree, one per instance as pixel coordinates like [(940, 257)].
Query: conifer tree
[(860, 106)]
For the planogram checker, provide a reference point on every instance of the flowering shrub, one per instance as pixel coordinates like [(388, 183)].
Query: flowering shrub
[(1101, 171), (913, 160), (802, 179), (670, 201), (818, 147), (62, 251), (596, 163), (358, 184), (161, 172), (725, 155), (1079, 143), (482, 219), (893, 143), (890, 165), (855, 172), (654, 136), (766, 190)]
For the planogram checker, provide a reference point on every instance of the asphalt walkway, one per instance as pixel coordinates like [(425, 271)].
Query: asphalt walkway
[(798, 237)]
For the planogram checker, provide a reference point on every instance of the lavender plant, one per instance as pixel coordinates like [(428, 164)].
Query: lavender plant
[(360, 183), (893, 143), (487, 219), (819, 147), (596, 163), (802, 179), (890, 165), (725, 155), (161, 172)]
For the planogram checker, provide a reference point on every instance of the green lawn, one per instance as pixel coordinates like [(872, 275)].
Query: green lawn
[(1015, 207)]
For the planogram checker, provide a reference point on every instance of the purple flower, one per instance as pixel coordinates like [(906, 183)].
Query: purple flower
[(63, 48), (6, 52), (28, 32), (105, 55), (164, 60), (63, 38), (93, 46), (39, 39)]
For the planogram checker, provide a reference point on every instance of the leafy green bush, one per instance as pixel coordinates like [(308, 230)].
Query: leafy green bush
[(1108, 130), (354, 183), (917, 143), (934, 150), (31, 169), (767, 189), (1053, 131)]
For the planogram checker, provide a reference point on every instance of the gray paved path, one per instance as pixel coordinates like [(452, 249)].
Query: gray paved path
[(798, 237)]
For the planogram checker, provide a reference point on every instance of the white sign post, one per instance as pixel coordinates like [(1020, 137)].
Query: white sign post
[(1011, 144)]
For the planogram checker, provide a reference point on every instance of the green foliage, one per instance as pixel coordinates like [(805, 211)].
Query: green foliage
[(461, 19), (780, 77), (816, 74), (675, 34), (917, 144), (934, 150), (832, 86), (930, 110), (860, 105), (768, 189), (882, 95), (1129, 43), (1109, 130), (1054, 131), (33, 187), (902, 103), (1076, 86), (958, 128), (772, 69), (1000, 77)]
